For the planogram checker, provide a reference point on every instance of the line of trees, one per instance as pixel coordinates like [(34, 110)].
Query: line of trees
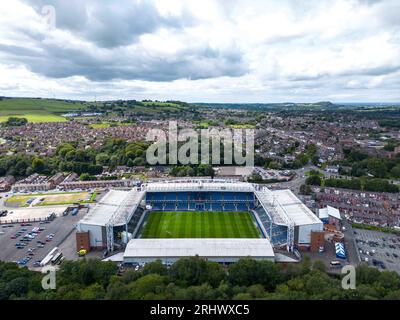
[(364, 184), (362, 165), (196, 278), (15, 121), (71, 158)]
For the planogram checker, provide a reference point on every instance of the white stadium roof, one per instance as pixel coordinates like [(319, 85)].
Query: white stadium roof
[(296, 210), (116, 204), (184, 247), (285, 208), (199, 185)]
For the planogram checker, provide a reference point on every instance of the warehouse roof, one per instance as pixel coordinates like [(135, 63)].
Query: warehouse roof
[(183, 247)]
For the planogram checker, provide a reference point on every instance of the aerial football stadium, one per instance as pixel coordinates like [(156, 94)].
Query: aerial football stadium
[(220, 220)]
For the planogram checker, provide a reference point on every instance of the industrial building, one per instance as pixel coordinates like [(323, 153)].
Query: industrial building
[(284, 221)]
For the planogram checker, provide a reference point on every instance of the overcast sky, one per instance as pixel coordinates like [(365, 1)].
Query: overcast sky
[(201, 51)]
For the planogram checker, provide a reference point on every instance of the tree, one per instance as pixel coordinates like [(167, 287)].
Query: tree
[(256, 177), (395, 172), (155, 267), (366, 275), (242, 296), (150, 286), (38, 165), (305, 189), (314, 180), (247, 271), (389, 280), (195, 271), (319, 265), (315, 160), (256, 291), (14, 121), (17, 286), (377, 167), (93, 292), (102, 159), (200, 292), (86, 177)]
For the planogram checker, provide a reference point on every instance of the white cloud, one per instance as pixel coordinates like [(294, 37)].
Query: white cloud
[(202, 50)]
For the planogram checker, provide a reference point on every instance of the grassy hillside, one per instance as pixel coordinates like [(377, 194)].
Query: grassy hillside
[(37, 110), (51, 110)]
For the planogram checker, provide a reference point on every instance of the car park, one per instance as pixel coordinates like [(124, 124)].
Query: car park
[(381, 246)]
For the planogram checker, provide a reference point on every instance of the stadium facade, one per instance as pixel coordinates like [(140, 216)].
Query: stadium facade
[(283, 220)]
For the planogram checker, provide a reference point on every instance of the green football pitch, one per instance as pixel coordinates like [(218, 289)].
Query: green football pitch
[(200, 224)]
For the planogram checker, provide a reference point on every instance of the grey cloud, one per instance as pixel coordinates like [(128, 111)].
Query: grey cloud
[(18, 51), (111, 23), (191, 63), (111, 26), (373, 71)]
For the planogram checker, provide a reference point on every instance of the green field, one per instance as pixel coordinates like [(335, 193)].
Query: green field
[(101, 125), (37, 110), (52, 198), (36, 117), (195, 224), (107, 124), (242, 126)]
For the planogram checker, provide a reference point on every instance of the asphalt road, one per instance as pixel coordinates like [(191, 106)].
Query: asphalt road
[(296, 182)]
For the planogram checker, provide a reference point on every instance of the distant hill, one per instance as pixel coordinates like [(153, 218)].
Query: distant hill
[(272, 106), (37, 109), (51, 110)]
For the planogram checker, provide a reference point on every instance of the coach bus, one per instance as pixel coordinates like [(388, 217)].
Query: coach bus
[(56, 258)]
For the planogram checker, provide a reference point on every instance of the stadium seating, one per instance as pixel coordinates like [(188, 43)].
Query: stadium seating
[(277, 233), (228, 206), (201, 201)]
